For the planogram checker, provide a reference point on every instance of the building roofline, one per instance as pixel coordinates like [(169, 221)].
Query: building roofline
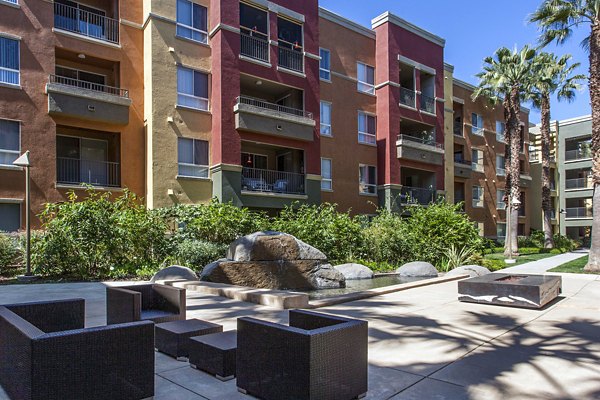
[(448, 67), (394, 19), (468, 86), (574, 120), (346, 23)]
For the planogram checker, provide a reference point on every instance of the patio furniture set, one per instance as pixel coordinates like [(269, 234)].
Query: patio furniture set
[(46, 353)]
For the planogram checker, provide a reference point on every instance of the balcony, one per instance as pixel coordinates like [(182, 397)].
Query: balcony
[(525, 180), (458, 129), (269, 181), (407, 97), (579, 183), (87, 100), (427, 104), (260, 116), (414, 195), (290, 57), (579, 212), (73, 171), (579, 154), (477, 167), (423, 149), (254, 45), (86, 21), (462, 167)]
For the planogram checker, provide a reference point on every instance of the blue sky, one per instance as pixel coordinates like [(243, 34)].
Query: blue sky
[(473, 30)]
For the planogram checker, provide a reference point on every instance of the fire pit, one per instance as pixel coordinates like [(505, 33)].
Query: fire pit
[(528, 291)]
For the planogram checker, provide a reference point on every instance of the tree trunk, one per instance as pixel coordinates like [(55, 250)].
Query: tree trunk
[(513, 144), (546, 195), (594, 260)]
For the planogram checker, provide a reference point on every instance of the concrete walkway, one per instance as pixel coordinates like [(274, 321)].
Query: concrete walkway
[(423, 343), (545, 264)]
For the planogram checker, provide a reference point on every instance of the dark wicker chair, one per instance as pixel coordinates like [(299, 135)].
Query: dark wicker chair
[(151, 302), (45, 353), (318, 356)]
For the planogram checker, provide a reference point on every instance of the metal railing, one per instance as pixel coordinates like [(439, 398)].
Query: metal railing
[(416, 139), (476, 130), (578, 154), (500, 137), (579, 212), (427, 104), (458, 129), (86, 23), (253, 101), (254, 44), (95, 87), (415, 195), (97, 173), (475, 166), (291, 59), (269, 181), (578, 183), (407, 97), (10, 76), (459, 159)]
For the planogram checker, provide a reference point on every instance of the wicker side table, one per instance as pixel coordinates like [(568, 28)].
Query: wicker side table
[(214, 354), (172, 338)]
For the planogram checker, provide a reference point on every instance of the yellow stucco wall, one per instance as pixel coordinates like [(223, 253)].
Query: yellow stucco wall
[(448, 136)]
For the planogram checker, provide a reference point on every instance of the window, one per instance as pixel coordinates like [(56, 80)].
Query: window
[(500, 204), (12, 1), (500, 165), (367, 178), (325, 118), (9, 141), (325, 64), (192, 88), (192, 156), (477, 124), (10, 217), (191, 21), (477, 196), (477, 160), (480, 226), (366, 78), (9, 61), (500, 230), (366, 128), (256, 161), (500, 129), (326, 182)]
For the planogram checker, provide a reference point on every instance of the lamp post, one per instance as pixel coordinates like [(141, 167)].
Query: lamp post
[(23, 161), (511, 202)]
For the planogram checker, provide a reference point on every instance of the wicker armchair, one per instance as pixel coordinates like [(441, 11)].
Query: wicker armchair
[(317, 356), (45, 353), (152, 302)]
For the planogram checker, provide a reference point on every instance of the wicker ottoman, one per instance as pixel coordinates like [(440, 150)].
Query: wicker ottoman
[(215, 354), (172, 338)]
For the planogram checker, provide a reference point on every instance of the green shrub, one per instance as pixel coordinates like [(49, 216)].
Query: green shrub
[(556, 251), (385, 242), (455, 257), (196, 254), (536, 239), (493, 264), (9, 252), (336, 234), (564, 243), (377, 266)]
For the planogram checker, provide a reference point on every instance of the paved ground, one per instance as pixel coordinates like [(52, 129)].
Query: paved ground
[(545, 264), (423, 343)]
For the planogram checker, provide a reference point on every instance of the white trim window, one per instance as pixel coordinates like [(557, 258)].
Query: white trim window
[(500, 165), (500, 204), (10, 216), (365, 75), (192, 88), (325, 118), (477, 196), (10, 1), (9, 61), (326, 177), (367, 128), (500, 229), (192, 158), (477, 124), (10, 141), (325, 64), (367, 179), (477, 160), (500, 129), (192, 21)]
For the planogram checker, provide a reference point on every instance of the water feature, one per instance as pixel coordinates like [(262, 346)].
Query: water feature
[(353, 286)]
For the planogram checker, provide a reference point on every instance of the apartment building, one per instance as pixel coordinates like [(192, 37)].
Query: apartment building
[(571, 166), (261, 103)]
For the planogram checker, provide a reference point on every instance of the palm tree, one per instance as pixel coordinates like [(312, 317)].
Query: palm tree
[(556, 20), (506, 79), (550, 75)]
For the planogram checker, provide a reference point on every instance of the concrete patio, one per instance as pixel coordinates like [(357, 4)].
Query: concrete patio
[(424, 344)]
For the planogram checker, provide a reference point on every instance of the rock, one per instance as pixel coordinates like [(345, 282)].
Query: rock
[(417, 268), (354, 271), (471, 270), (175, 273), (272, 246)]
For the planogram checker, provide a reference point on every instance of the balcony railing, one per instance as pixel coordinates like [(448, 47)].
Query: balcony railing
[(254, 44), (578, 154), (415, 195), (268, 181), (458, 129), (292, 59), (425, 141), (97, 173), (500, 137), (427, 104), (536, 156), (459, 159), (475, 166), (579, 212), (578, 183), (95, 87), (10, 76), (252, 101), (407, 97), (500, 172), (86, 23)]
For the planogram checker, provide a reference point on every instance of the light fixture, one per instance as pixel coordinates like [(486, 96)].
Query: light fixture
[(81, 55), (23, 161), (258, 82)]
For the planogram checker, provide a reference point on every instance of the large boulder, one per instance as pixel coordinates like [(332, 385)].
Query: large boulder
[(353, 271), (272, 246), (417, 269), (175, 273), (471, 270)]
